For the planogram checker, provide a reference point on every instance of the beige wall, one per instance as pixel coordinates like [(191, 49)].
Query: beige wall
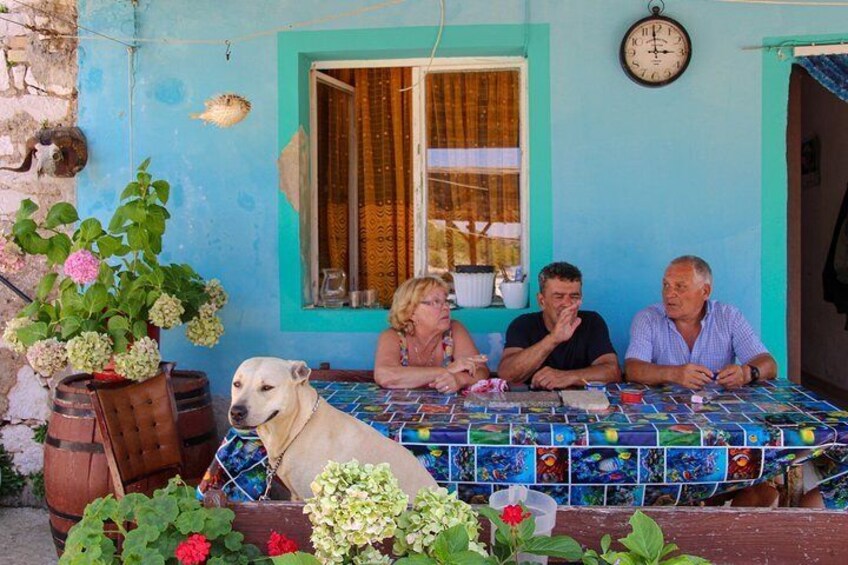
[(824, 338), (38, 74)]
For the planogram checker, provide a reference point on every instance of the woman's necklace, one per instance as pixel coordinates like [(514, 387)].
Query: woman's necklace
[(418, 351)]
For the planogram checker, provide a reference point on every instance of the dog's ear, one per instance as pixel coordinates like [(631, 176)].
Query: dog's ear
[(300, 372)]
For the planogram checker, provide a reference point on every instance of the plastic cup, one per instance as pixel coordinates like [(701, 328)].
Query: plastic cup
[(540, 505), (514, 294)]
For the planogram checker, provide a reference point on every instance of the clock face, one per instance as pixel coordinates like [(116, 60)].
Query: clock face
[(655, 51)]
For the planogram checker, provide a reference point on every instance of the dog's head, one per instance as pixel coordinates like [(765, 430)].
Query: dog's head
[(264, 387)]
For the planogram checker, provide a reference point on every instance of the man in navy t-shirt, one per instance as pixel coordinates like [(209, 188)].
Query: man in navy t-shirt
[(561, 346)]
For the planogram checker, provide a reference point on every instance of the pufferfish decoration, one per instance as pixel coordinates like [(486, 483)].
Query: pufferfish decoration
[(224, 110)]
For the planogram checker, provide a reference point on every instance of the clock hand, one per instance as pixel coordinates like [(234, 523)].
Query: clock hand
[(654, 34)]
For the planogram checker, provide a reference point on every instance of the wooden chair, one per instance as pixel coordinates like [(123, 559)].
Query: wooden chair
[(138, 424)]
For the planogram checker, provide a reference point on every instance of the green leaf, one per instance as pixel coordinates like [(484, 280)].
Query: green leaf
[(527, 528), (95, 298), (669, 548), (137, 238), (101, 508), (416, 559), (118, 219), (219, 522), (132, 189), (46, 285), (606, 541), (32, 333), (70, 326), (296, 558), (90, 229), (108, 245), (646, 539), (34, 243), (139, 329), (468, 558), (118, 323), (163, 190), (144, 164), (190, 522), (23, 227), (562, 547), (60, 248), (155, 222), (60, 214), (26, 209), (135, 211), (453, 540), (233, 541)]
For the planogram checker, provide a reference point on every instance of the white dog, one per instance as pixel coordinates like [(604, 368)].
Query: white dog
[(302, 433)]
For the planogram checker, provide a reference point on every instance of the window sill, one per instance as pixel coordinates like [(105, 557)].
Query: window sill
[(493, 319)]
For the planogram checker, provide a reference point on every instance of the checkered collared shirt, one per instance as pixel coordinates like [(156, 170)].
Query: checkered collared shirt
[(725, 336)]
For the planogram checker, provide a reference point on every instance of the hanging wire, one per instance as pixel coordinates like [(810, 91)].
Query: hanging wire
[(69, 21), (435, 46), (233, 40)]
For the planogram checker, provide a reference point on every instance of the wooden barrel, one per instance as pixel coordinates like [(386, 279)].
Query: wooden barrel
[(75, 468)]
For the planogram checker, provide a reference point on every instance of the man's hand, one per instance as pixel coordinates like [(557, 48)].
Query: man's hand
[(567, 323), (733, 376), (551, 379), (694, 376)]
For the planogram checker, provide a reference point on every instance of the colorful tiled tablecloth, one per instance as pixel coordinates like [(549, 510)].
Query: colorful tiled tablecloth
[(665, 450)]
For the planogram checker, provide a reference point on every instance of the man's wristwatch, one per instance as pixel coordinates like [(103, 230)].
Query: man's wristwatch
[(755, 373)]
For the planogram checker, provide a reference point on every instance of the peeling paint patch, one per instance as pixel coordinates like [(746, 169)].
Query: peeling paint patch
[(293, 166)]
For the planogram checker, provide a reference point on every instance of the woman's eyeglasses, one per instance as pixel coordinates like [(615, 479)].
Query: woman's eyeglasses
[(438, 303)]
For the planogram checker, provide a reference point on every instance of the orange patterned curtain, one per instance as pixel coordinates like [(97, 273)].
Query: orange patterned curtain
[(473, 166), (384, 137), (333, 106)]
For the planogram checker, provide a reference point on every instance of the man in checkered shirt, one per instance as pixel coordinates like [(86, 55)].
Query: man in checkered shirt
[(690, 340)]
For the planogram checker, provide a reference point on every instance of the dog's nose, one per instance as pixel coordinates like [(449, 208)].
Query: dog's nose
[(237, 413)]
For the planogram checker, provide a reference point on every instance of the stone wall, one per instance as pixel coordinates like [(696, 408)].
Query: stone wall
[(38, 76)]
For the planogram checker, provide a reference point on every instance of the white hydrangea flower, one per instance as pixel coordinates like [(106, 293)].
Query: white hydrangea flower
[(10, 334), (166, 311), (141, 362), (217, 295), (47, 356), (432, 512), (89, 352), (205, 330), (354, 506)]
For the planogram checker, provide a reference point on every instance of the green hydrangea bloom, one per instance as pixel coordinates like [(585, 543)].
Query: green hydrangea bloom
[(434, 511), (89, 351), (205, 330), (166, 311), (141, 362), (47, 356), (10, 334), (354, 506)]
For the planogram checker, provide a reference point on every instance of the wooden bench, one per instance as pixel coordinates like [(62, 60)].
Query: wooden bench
[(722, 535)]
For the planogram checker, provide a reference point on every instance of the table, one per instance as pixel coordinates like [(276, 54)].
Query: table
[(663, 451)]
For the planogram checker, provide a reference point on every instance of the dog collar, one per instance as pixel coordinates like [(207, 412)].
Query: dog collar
[(272, 469)]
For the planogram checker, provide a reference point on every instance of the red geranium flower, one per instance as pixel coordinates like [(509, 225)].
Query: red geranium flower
[(513, 515), (193, 551), (279, 544)]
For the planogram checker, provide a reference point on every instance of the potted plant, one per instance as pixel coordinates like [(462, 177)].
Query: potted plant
[(112, 294)]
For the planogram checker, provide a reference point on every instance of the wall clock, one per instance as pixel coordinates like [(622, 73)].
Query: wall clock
[(656, 50)]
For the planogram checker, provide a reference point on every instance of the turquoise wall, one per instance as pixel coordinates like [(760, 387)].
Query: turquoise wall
[(637, 175)]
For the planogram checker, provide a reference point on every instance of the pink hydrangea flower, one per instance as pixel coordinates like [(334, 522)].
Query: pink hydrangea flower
[(82, 267), (11, 257)]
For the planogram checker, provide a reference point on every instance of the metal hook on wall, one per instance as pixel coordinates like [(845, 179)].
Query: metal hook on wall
[(229, 49), (656, 7)]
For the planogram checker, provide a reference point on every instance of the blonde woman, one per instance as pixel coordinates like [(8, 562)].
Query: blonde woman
[(424, 347)]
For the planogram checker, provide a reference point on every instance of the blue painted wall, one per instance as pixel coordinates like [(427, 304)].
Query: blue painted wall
[(639, 175)]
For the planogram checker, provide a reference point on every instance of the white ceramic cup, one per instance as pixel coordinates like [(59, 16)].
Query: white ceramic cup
[(514, 294)]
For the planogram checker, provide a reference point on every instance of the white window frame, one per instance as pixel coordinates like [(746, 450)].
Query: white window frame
[(420, 68)]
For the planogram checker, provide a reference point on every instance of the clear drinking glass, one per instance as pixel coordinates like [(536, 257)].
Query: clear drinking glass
[(333, 288)]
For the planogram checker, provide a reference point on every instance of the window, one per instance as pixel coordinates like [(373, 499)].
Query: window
[(417, 168)]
